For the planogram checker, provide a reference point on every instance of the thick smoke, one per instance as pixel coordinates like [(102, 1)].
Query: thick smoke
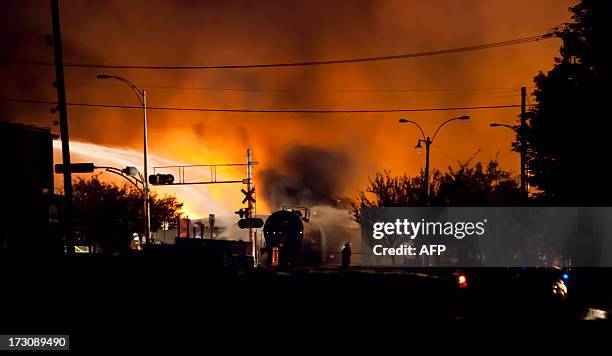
[(169, 32), (306, 176)]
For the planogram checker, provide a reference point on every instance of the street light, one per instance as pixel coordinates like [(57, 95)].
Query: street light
[(142, 98), (428, 143), (516, 128), (513, 128), (131, 174)]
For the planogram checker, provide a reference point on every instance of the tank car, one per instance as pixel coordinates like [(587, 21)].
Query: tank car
[(291, 239)]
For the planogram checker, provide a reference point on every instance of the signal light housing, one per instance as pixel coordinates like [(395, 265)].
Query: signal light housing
[(76, 168), (253, 223), (243, 213), (161, 179)]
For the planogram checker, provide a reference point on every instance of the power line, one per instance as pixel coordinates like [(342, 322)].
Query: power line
[(235, 89), (315, 111), (304, 63)]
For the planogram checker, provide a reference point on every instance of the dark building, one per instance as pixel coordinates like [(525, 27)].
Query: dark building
[(29, 202)]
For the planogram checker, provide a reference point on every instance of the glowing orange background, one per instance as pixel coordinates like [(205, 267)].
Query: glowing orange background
[(232, 32)]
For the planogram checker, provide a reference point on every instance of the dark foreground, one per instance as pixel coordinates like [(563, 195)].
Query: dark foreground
[(151, 301)]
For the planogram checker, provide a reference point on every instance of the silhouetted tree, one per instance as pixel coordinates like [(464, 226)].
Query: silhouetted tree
[(475, 185), (470, 185), (108, 214), (567, 142)]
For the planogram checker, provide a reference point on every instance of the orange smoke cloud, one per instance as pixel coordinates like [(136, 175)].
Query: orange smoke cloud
[(237, 32)]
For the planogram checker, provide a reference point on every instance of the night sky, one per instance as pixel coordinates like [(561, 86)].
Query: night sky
[(350, 147)]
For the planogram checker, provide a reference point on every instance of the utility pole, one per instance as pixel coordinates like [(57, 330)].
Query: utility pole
[(147, 200), (427, 190), (524, 192), (63, 119)]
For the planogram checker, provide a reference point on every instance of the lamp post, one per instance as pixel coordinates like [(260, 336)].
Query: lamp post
[(428, 141), (513, 128), (142, 98), (516, 129)]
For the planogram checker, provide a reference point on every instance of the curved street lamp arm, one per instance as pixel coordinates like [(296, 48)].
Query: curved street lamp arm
[(439, 127), (141, 181), (511, 127), (139, 93), (119, 172), (417, 125), (127, 178)]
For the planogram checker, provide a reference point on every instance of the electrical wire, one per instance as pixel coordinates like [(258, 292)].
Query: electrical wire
[(513, 42), (297, 111), (399, 90)]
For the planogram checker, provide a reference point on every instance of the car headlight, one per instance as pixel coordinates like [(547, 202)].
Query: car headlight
[(559, 288)]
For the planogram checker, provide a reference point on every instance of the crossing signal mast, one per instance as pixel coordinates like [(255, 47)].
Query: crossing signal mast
[(250, 199), (247, 220)]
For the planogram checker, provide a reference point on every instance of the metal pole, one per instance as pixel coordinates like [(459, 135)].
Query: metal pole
[(147, 217), (524, 192), (211, 222), (250, 204), (63, 119), (427, 144), (425, 261)]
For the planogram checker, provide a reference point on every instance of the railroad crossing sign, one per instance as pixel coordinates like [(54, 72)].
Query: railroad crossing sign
[(248, 196)]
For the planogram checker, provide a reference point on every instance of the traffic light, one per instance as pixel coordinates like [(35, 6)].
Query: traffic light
[(161, 179), (76, 168)]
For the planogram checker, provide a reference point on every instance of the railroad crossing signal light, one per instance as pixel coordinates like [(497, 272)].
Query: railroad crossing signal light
[(244, 212), (161, 179), (253, 223), (76, 168)]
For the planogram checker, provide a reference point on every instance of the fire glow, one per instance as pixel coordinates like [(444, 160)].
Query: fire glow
[(199, 200)]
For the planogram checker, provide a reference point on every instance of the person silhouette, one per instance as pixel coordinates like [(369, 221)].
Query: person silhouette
[(346, 255)]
